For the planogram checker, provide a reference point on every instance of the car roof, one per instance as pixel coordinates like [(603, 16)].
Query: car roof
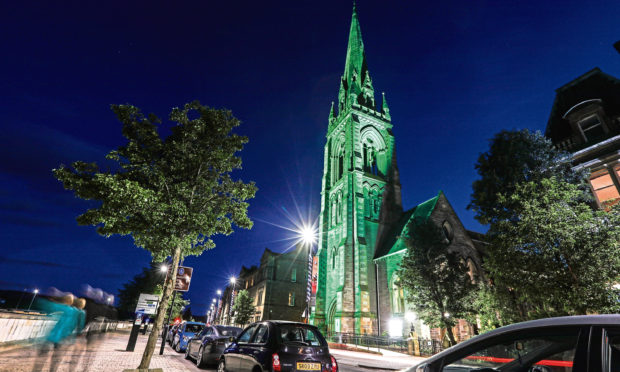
[(577, 320), (194, 323)]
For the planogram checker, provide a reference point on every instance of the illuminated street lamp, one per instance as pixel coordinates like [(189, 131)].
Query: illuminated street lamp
[(308, 236), (163, 268), (33, 296)]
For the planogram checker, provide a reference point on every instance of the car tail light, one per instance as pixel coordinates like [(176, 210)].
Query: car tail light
[(334, 364), (275, 362)]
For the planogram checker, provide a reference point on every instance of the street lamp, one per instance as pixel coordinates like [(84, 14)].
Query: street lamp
[(233, 280), (163, 268), (33, 296)]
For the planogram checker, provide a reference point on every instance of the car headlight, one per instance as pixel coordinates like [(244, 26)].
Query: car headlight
[(185, 338)]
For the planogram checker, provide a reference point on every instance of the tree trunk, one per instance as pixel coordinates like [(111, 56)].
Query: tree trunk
[(159, 321), (450, 336)]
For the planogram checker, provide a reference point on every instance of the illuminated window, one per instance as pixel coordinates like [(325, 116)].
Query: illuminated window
[(259, 298), (291, 299), (604, 187), (592, 128)]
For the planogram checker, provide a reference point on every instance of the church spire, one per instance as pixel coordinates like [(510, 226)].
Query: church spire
[(385, 110), (356, 60)]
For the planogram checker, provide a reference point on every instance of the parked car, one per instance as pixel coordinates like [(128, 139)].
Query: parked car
[(207, 346), (172, 330), (185, 331), (589, 343), (278, 346)]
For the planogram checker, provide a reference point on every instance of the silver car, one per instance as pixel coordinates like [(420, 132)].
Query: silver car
[(589, 343)]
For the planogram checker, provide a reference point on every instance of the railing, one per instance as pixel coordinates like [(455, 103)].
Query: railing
[(429, 347), (369, 341)]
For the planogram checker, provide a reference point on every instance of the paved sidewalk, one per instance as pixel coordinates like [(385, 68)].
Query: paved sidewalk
[(104, 354)]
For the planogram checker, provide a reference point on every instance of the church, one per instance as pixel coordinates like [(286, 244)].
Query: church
[(362, 216)]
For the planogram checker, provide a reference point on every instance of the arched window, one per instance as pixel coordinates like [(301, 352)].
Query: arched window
[(339, 209), (398, 296), (367, 203), (333, 210)]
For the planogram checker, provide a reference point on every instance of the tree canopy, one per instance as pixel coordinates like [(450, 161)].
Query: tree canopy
[(172, 194), (437, 280), (243, 307), (558, 255), (515, 157)]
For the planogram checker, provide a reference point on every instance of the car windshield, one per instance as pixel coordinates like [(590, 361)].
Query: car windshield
[(229, 331), (295, 334), (193, 328)]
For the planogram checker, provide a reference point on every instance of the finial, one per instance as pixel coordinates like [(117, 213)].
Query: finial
[(354, 7)]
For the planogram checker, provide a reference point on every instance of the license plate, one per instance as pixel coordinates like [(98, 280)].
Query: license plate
[(308, 366)]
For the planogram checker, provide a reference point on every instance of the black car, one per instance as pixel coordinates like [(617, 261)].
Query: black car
[(207, 346), (278, 346), (589, 343), (172, 330)]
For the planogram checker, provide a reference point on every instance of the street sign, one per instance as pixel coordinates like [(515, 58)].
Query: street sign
[(184, 277), (147, 303)]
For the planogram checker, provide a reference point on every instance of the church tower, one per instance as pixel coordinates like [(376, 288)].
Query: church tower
[(360, 197)]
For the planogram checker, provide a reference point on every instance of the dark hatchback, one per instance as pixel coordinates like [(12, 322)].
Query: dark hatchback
[(278, 346), (207, 346)]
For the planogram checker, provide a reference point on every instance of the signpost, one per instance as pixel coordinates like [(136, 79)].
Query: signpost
[(147, 305), (184, 277)]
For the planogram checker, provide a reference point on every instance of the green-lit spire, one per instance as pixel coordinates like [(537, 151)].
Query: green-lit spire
[(356, 60), (332, 114), (385, 110)]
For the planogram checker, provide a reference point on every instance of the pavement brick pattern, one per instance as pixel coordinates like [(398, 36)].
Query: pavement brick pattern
[(106, 353)]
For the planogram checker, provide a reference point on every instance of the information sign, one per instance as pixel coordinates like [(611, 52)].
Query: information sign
[(147, 304)]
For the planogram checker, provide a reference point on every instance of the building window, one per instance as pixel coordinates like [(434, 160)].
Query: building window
[(259, 298), (604, 188), (291, 299), (448, 232), (591, 128), (294, 275)]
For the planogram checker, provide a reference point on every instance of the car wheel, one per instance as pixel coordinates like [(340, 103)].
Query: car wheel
[(222, 366), (200, 362), (187, 355), (177, 347)]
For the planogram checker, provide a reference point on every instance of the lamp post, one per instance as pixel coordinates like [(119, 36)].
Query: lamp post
[(233, 281), (308, 237), (33, 296), (218, 304)]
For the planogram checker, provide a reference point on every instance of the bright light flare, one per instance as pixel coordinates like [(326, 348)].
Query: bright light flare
[(233, 280), (307, 234), (163, 268), (36, 291)]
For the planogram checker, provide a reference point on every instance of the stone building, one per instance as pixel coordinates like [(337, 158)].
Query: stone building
[(585, 120), (278, 286), (362, 217)]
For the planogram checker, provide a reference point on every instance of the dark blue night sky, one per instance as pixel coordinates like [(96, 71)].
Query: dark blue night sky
[(454, 73)]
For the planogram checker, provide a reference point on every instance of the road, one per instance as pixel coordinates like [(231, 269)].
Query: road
[(107, 354)]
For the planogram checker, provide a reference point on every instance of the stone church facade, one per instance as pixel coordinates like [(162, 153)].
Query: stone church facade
[(362, 218)]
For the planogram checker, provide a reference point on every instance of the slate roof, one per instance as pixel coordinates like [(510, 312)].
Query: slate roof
[(391, 243), (595, 84)]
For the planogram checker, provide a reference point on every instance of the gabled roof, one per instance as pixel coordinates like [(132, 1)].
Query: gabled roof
[(420, 213), (594, 84)]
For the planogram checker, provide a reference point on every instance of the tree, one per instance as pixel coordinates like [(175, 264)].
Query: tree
[(557, 254), (436, 280), (243, 307), (148, 281), (170, 194), (515, 157)]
